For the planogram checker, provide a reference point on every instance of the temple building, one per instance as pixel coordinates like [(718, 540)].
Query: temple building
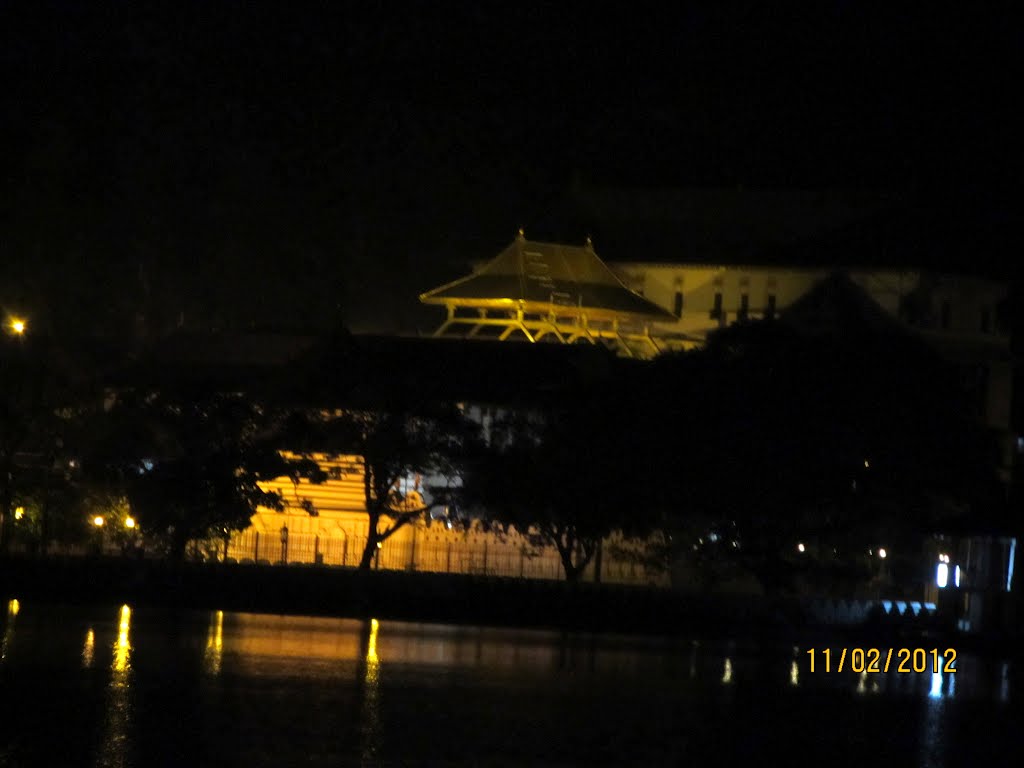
[(337, 534), (548, 292), (536, 291)]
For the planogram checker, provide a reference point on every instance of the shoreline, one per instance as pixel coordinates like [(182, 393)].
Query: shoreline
[(464, 600)]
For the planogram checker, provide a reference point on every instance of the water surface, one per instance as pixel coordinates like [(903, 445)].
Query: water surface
[(123, 686)]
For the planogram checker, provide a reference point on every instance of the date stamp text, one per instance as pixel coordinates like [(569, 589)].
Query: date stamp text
[(881, 660)]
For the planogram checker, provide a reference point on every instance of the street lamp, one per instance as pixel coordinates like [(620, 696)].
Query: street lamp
[(17, 326), (129, 522), (98, 521)]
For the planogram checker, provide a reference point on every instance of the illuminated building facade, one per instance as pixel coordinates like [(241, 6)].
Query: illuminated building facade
[(676, 305), (537, 291), (337, 535)]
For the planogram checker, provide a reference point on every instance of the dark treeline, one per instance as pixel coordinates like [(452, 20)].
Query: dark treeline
[(720, 462)]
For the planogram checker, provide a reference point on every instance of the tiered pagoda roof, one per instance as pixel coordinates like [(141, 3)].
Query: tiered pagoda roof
[(544, 278)]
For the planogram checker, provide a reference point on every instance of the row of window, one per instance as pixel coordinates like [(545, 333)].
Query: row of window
[(716, 310), (946, 317), (716, 313)]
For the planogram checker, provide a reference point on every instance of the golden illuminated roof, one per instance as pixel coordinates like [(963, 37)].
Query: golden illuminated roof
[(538, 277)]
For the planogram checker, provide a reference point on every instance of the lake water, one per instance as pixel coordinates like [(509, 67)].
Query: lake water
[(117, 686)]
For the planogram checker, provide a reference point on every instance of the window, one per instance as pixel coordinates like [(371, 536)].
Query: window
[(769, 311), (946, 316), (678, 305), (716, 310), (744, 306)]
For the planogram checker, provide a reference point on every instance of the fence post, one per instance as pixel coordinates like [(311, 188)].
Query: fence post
[(256, 548), (448, 567), (485, 557)]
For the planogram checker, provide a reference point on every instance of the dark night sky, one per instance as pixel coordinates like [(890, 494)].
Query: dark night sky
[(248, 163)]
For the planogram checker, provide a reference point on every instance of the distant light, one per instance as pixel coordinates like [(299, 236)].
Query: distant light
[(129, 522), (13, 606), (379, 544), (800, 547), (942, 575), (956, 576), (882, 553), (19, 513), (867, 464), (713, 537), (97, 521), (727, 672), (17, 326)]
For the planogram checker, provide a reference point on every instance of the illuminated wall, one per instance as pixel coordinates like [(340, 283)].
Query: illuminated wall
[(336, 536), (956, 305)]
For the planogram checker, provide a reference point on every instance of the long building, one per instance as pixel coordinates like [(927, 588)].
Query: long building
[(550, 292)]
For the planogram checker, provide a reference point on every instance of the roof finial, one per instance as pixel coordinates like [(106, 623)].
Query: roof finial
[(522, 235)]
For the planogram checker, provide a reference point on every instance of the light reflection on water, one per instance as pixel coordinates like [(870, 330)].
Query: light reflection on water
[(372, 669), (115, 749), (214, 644), (13, 608), (370, 720), (88, 648)]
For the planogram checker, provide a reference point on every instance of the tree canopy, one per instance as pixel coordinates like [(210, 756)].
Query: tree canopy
[(786, 436), (394, 443)]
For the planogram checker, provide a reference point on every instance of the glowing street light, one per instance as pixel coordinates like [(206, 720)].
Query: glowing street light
[(98, 521), (129, 522), (800, 547), (19, 513), (17, 326), (882, 553)]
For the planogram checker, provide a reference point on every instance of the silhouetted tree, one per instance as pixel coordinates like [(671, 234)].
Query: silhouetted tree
[(190, 463), (849, 439), (393, 444), (568, 477), (40, 400)]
